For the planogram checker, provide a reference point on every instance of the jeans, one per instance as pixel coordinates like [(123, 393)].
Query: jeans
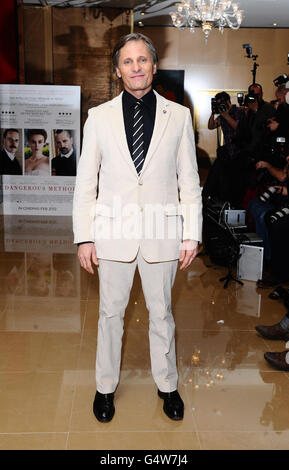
[(259, 209)]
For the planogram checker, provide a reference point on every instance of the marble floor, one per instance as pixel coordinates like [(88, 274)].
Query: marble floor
[(48, 332)]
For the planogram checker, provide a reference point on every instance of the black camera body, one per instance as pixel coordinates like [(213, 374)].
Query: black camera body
[(249, 51), (281, 79), (268, 194), (278, 152), (250, 98), (218, 108)]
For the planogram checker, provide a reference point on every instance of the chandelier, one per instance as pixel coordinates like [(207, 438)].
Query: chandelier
[(208, 14)]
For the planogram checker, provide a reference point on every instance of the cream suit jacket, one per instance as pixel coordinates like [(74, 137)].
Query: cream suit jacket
[(113, 206)]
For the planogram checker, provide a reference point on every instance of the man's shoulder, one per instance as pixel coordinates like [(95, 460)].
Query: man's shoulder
[(179, 112), (56, 159), (268, 107), (180, 108), (5, 158)]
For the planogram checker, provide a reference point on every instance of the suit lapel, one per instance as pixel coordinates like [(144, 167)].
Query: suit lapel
[(118, 130), (162, 117)]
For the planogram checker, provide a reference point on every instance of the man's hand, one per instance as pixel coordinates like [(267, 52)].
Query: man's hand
[(262, 164), (272, 125), (86, 253), (253, 106), (225, 114), (189, 251), (282, 190)]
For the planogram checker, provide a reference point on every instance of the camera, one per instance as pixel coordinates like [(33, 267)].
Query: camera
[(268, 194), (248, 48), (218, 108), (279, 151), (274, 153), (279, 214), (240, 99), (250, 98), (281, 146), (281, 79)]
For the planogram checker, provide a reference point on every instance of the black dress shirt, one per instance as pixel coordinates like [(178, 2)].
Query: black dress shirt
[(149, 113)]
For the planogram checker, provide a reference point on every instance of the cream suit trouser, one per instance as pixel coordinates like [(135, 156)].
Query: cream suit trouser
[(115, 282)]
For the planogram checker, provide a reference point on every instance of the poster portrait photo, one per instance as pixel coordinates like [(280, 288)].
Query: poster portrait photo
[(64, 153), (36, 152), (11, 152)]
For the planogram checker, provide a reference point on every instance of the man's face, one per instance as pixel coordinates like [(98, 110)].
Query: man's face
[(280, 97), (228, 103), (11, 142), (136, 68), (63, 142)]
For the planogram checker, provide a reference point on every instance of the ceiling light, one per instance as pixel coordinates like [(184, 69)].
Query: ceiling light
[(207, 14)]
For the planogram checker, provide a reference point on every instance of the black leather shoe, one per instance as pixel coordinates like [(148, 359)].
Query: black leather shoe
[(173, 404), (273, 332), (277, 360), (103, 407)]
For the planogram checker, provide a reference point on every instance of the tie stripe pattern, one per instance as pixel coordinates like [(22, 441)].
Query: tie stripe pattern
[(138, 138)]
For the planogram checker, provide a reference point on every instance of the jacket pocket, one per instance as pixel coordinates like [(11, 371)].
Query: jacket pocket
[(171, 209), (104, 210)]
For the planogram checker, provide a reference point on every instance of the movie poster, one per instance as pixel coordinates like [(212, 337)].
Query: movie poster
[(40, 147)]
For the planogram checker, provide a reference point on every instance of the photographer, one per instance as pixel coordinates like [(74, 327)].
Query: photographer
[(253, 133), (268, 202), (221, 181), (228, 119), (279, 125)]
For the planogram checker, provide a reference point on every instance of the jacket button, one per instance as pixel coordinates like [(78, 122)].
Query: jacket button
[(140, 183)]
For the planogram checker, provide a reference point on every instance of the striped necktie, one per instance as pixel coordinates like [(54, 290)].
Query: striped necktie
[(138, 137)]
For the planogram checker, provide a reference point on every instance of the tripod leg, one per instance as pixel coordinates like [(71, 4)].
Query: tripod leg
[(229, 278)]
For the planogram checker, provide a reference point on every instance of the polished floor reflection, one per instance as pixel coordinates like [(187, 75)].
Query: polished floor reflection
[(48, 329)]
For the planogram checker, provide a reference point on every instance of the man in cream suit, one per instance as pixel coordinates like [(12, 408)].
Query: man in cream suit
[(137, 203)]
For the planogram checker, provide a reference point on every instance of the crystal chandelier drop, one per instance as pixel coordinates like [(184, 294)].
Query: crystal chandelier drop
[(208, 14)]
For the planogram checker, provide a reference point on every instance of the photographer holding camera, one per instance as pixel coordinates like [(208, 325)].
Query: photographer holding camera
[(269, 201), (221, 180), (228, 119), (253, 133), (279, 125), (272, 168)]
